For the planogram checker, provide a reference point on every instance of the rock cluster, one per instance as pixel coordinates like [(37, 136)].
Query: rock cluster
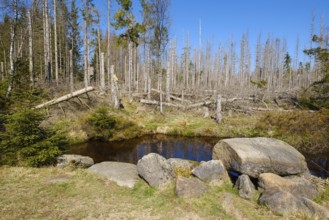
[(266, 164), (278, 169)]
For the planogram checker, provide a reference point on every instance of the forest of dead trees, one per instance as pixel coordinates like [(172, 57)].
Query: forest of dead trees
[(61, 44)]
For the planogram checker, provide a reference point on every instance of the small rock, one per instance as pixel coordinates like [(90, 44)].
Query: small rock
[(190, 187), (245, 186), (75, 160), (155, 170), (298, 186), (211, 171), (123, 174)]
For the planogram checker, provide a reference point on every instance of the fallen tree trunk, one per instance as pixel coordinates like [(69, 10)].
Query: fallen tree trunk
[(199, 104), (171, 96), (154, 102), (65, 97)]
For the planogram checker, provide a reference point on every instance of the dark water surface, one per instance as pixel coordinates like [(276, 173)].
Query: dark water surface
[(191, 148)]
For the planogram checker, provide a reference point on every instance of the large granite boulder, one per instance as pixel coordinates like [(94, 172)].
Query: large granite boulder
[(282, 202), (253, 156), (74, 160), (298, 186), (123, 174), (190, 187), (245, 186), (212, 171), (155, 170)]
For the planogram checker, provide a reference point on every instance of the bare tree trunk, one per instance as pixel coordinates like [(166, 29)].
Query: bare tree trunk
[(219, 109), (71, 72), (116, 97), (85, 54), (30, 48), (11, 50), (102, 74), (149, 82), (130, 68), (226, 70), (160, 82), (108, 46), (168, 80), (137, 77), (55, 42), (47, 43), (11, 60)]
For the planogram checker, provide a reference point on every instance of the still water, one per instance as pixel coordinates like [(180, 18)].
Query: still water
[(191, 148)]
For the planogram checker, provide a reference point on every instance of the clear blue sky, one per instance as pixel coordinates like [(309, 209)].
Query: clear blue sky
[(223, 19)]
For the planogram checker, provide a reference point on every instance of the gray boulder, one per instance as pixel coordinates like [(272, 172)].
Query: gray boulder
[(74, 160), (155, 170), (253, 156), (245, 186), (212, 171), (283, 203), (190, 187), (298, 186), (123, 174)]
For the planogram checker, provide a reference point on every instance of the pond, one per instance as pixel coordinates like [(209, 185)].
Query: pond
[(191, 148)]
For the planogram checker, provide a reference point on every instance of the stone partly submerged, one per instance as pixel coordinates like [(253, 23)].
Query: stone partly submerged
[(245, 186), (253, 156), (212, 171), (190, 187), (123, 174), (155, 170), (74, 160)]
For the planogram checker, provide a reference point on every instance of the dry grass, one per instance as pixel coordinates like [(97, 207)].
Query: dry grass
[(51, 193)]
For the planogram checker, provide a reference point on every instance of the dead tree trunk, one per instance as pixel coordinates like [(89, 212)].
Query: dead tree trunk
[(114, 82), (65, 97), (168, 80), (71, 72), (11, 50), (219, 109), (102, 74), (85, 54), (55, 43), (30, 48)]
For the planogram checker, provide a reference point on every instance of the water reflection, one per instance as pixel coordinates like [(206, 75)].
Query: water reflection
[(197, 149), (318, 166)]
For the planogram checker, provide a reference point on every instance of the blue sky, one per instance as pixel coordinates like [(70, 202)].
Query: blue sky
[(223, 19)]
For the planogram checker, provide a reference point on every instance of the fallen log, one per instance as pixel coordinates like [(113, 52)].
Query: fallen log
[(199, 104), (65, 97), (154, 102), (171, 96)]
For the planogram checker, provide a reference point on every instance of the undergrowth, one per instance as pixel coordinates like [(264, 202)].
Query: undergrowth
[(305, 130)]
